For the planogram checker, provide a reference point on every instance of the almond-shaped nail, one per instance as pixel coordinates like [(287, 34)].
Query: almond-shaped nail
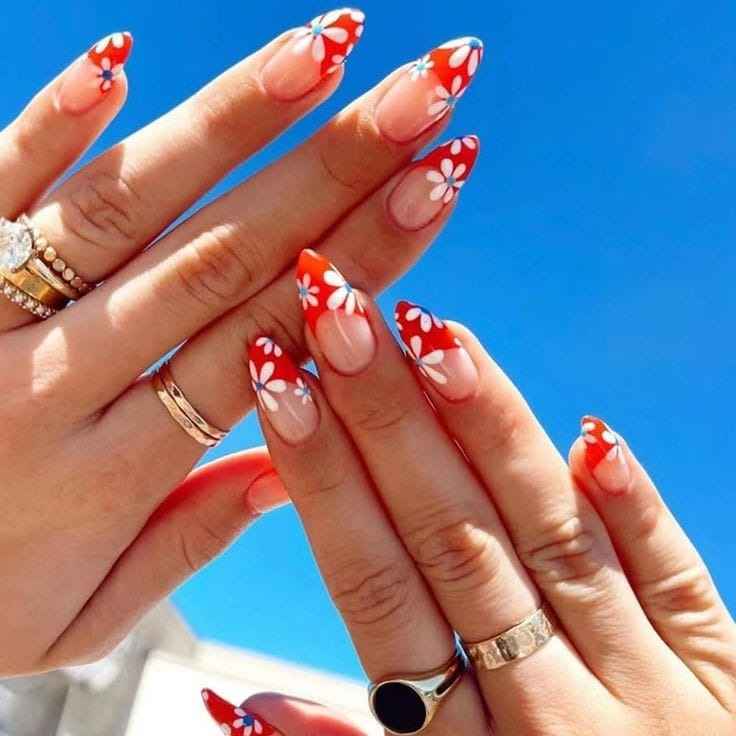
[(431, 183), (233, 720), (335, 314), (282, 391), (604, 455), (429, 89), (436, 352), (91, 77), (315, 51)]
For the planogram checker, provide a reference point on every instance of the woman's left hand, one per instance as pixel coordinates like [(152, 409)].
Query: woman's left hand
[(457, 514)]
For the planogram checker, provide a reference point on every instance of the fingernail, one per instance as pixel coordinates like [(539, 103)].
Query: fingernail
[(91, 77), (435, 351), (267, 493), (282, 392), (429, 89), (432, 183), (232, 720), (604, 455), (335, 314), (314, 52)]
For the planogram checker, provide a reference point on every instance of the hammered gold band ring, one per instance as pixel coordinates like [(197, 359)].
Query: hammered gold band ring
[(182, 411)]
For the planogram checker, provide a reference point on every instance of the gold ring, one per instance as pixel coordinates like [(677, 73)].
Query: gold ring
[(406, 704), (518, 642), (182, 412)]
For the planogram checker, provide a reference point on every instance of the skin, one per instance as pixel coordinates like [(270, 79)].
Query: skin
[(416, 539), (102, 514)]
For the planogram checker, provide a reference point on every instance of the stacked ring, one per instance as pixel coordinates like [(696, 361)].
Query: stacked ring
[(182, 412)]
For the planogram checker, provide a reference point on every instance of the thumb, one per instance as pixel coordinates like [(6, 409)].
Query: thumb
[(266, 714)]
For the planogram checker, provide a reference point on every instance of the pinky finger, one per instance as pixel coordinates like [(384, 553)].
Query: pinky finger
[(197, 522), (667, 573), (61, 122)]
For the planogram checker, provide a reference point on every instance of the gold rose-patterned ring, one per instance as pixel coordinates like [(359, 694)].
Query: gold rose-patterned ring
[(181, 410)]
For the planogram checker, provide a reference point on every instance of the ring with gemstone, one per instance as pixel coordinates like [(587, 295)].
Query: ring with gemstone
[(31, 272), (405, 705)]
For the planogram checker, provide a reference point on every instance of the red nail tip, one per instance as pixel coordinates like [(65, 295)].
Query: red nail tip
[(323, 288), (273, 373), (232, 720), (450, 166), (330, 38), (454, 64), (426, 338), (601, 442), (109, 56)]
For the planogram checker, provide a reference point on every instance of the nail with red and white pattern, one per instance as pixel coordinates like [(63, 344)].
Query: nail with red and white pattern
[(605, 457), (335, 314), (282, 391), (315, 51), (429, 90), (435, 351), (233, 720), (432, 183)]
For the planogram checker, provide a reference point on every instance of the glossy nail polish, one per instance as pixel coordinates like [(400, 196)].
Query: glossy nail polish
[(282, 391), (235, 721), (436, 352), (90, 78), (429, 89), (313, 52), (431, 183), (604, 455), (335, 314)]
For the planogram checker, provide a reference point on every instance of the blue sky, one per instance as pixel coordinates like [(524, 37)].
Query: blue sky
[(593, 251)]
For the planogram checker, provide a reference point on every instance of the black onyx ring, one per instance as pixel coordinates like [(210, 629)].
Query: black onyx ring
[(407, 704)]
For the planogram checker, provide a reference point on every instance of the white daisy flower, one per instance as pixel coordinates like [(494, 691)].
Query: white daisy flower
[(420, 68), (617, 451), (116, 39), (425, 317), (448, 180), (307, 291), (313, 36), (265, 387), (426, 362), (250, 724), (467, 141), (344, 294), (269, 346), (466, 49), (448, 98), (108, 73), (303, 391)]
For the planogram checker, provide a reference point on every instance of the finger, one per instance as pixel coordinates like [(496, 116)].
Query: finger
[(114, 207), (196, 523), (236, 246), (439, 509), (667, 573), (374, 245), (393, 620), (556, 532), (270, 713), (60, 123)]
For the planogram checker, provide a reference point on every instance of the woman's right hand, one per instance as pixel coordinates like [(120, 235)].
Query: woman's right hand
[(91, 533)]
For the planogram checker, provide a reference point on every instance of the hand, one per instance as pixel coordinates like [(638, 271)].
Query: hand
[(100, 515), (456, 514)]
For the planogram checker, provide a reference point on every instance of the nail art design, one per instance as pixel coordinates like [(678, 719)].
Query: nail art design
[(234, 721), (274, 375), (322, 287), (330, 38), (601, 443), (109, 56), (451, 165), (427, 339), (454, 64)]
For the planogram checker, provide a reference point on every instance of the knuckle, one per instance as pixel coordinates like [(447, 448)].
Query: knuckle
[(452, 549), (566, 552), (266, 316), (371, 593), (216, 268), (689, 589), (103, 210), (332, 478), (386, 418)]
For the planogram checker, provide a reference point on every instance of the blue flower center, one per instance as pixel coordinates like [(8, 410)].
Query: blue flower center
[(317, 30), (451, 101), (474, 43), (107, 75), (259, 386), (451, 181), (248, 720), (348, 288)]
